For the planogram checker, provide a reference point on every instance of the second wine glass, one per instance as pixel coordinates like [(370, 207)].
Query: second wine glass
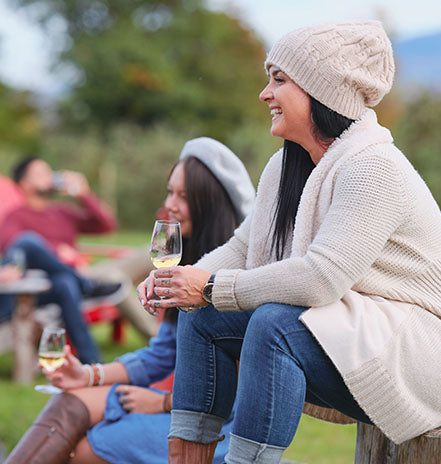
[(166, 244), (51, 354)]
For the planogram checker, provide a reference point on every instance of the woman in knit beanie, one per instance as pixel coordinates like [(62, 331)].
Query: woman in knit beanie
[(330, 290), (123, 417)]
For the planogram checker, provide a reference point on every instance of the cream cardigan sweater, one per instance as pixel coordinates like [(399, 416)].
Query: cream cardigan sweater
[(365, 257)]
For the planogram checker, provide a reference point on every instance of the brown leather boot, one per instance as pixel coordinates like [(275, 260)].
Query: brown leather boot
[(54, 434), (188, 452)]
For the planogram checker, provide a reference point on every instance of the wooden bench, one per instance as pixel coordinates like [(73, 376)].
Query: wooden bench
[(373, 447)]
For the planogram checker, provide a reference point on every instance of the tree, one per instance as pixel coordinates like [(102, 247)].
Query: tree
[(19, 120), (418, 134), (151, 61)]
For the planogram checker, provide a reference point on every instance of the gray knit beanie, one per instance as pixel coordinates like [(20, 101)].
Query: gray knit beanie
[(227, 168), (345, 66)]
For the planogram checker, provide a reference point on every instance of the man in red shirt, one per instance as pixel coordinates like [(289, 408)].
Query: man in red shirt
[(45, 231)]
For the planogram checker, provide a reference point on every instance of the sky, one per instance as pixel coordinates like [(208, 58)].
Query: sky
[(25, 51)]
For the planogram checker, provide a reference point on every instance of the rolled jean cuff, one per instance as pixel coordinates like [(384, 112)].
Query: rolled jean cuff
[(244, 451), (198, 427)]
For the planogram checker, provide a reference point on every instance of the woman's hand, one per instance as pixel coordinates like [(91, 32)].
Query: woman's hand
[(140, 400), (178, 286), (72, 374), (146, 292)]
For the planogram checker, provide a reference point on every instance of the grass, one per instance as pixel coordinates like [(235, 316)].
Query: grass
[(20, 404), (123, 238), (316, 442)]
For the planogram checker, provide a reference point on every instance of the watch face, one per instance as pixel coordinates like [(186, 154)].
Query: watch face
[(207, 292)]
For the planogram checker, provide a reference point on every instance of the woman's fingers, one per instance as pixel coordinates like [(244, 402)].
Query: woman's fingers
[(48, 374), (163, 291), (124, 389), (145, 289), (70, 358), (55, 379), (150, 291), (142, 292), (154, 305), (176, 286), (125, 398)]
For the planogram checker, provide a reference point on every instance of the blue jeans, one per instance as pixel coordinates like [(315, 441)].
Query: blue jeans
[(281, 367), (66, 291)]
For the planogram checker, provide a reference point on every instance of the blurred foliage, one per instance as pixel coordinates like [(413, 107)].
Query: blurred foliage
[(20, 124), (130, 168), (418, 134), (152, 74), (150, 61)]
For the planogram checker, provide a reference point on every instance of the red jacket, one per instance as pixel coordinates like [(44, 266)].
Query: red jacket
[(60, 223)]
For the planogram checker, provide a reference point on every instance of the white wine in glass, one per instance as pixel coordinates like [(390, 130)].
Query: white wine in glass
[(51, 354), (166, 244), (51, 360)]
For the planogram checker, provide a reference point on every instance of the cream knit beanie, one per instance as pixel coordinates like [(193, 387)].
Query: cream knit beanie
[(345, 66)]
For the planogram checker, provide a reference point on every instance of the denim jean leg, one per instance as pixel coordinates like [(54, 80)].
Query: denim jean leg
[(325, 385), (243, 451), (66, 293), (7, 305), (208, 346), (39, 255), (290, 366), (272, 384)]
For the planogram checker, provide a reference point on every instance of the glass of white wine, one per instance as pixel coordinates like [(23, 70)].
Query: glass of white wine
[(51, 354), (166, 244)]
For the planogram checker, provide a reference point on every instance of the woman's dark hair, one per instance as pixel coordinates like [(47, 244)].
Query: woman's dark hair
[(212, 214), (296, 168)]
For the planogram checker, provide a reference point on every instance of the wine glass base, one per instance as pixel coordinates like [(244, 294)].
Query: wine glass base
[(48, 389)]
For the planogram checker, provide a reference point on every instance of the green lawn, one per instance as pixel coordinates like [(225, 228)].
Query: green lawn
[(122, 237), (20, 404), (316, 442)]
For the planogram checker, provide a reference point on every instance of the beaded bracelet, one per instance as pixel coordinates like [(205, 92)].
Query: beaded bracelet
[(90, 371), (98, 374)]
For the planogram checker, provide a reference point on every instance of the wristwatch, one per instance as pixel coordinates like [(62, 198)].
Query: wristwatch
[(207, 291)]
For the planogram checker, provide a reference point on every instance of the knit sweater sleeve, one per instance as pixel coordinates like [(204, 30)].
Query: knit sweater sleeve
[(231, 255), (367, 206)]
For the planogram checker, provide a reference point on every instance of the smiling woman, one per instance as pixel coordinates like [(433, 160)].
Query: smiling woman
[(209, 192), (331, 277)]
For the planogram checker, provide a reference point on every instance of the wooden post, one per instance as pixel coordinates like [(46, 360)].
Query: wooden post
[(23, 323), (23, 327), (373, 447)]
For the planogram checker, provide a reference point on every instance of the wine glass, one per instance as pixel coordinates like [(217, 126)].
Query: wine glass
[(51, 354), (166, 244), (18, 259)]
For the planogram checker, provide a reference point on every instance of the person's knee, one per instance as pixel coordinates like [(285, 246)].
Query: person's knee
[(269, 321), (28, 240), (197, 321), (65, 285)]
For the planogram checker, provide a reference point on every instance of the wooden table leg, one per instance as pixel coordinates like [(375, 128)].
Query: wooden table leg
[(23, 327)]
